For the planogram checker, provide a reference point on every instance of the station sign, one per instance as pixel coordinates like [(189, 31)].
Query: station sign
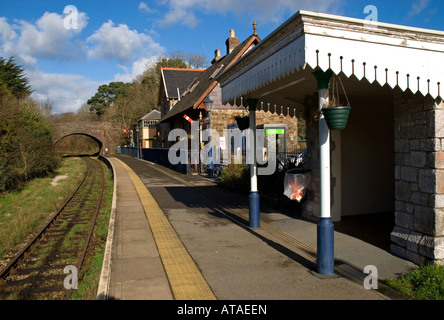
[(275, 131)]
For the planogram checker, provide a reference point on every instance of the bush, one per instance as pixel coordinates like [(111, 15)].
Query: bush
[(26, 149), (236, 177)]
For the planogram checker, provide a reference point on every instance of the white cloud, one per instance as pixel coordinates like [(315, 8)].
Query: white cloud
[(138, 67), (183, 11), (49, 38), (67, 91), (143, 7), (417, 8), (181, 16), (120, 43), (46, 39), (8, 41), (6, 31)]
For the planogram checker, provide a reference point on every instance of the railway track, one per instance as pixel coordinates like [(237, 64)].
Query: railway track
[(38, 271)]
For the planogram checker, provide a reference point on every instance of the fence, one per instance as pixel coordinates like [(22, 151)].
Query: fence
[(285, 161), (129, 151), (155, 155)]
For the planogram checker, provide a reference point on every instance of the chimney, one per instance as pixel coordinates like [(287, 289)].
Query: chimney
[(232, 42), (217, 56)]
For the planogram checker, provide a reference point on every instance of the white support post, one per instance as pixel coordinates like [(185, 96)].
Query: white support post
[(325, 228), (324, 146)]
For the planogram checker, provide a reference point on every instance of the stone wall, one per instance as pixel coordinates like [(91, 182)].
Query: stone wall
[(419, 178), (220, 118), (108, 136), (222, 115)]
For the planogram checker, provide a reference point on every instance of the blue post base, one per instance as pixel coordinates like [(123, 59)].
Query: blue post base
[(254, 210), (326, 265)]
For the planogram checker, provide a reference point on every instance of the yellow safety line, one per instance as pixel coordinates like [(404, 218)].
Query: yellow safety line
[(186, 280)]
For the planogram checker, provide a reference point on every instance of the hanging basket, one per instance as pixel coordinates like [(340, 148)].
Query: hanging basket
[(336, 117), (242, 122)]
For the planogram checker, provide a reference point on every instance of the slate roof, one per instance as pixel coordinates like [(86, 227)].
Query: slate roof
[(174, 78), (205, 82), (153, 115)]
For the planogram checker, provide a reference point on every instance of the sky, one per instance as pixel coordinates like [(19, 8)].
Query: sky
[(69, 48)]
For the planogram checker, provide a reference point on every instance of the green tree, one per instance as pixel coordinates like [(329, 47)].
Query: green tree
[(13, 79), (26, 149), (36, 154), (125, 103), (106, 95), (170, 63), (8, 177)]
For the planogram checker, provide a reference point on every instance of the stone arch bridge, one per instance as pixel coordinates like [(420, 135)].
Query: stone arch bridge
[(107, 135)]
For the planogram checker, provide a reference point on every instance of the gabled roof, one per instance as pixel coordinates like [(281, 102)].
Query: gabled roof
[(205, 82), (177, 80), (153, 115)]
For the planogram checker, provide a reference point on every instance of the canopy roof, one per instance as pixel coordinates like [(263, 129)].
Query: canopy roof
[(360, 51)]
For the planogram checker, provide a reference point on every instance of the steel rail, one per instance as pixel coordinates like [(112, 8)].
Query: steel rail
[(91, 229)]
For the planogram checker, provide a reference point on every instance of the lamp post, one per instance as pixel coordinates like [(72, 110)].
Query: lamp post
[(208, 104)]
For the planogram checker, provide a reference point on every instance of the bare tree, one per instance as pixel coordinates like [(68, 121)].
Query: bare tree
[(84, 114), (193, 60), (197, 61), (47, 107)]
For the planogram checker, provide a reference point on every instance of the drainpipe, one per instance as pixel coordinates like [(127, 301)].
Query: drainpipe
[(325, 228), (254, 195)]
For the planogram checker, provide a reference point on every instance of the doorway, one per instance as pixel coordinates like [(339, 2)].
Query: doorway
[(363, 172)]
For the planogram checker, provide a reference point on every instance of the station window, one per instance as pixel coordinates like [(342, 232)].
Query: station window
[(149, 123)]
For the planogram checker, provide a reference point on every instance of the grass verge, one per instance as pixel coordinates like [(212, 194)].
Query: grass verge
[(24, 211), (423, 283)]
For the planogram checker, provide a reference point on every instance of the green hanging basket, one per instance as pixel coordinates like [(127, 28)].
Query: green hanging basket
[(336, 117)]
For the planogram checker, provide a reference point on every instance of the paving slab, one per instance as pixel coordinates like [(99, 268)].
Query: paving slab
[(136, 271)]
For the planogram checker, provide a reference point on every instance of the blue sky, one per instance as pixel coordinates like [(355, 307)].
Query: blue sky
[(67, 59)]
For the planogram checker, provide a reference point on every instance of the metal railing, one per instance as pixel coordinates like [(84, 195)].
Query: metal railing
[(284, 160)]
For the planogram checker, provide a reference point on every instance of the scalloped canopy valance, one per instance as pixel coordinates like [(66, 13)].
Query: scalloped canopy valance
[(381, 53)]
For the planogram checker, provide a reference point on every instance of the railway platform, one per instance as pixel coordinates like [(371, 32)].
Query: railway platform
[(180, 237), (132, 267)]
